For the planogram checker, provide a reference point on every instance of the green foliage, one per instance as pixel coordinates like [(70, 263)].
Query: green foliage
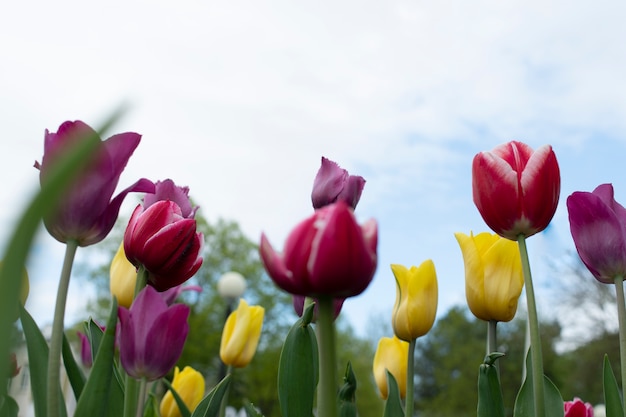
[(393, 405), (612, 397), (490, 403), (525, 402)]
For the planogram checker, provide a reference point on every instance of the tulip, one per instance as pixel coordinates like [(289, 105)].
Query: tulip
[(189, 385), (298, 306), (392, 355), (151, 335), (241, 334), (86, 213), (173, 293), (328, 254), (493, 275), (123, 278), (167, 190), (577, 408), (516, 189), (332, 184), (416, 300), (165, 243), (598, 226), (86, 356)]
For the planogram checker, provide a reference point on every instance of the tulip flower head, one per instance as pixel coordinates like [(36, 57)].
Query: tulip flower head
[(166, 243), (516, 189), (577, 408), (333, 183), (189, 385), (416, 300), (85, 350), (241, 334), (123, 278), (151, 335), (86, 213), (598, 226), (328, 254), (392, 354), (167, 190), (493, 275)]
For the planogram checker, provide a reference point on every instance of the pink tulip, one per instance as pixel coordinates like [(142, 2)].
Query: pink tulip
[(598, 226), (151, 335), (86, 213), (165, 243), (85, 350), (577, 408), (516, 189), (328, 254), (333, 184)]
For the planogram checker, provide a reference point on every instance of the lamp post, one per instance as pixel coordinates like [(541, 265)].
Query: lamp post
[(230, 287)]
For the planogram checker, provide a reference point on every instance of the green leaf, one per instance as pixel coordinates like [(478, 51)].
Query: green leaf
[(490, 402), (182, 407), (152, 406), (251, 410), (18, 246), (96, 397), (38, 365), (612, 398), (299, 361), (74, 372), (8, 407), (524, 403), (393, 405), (347, 394), (210, 405)]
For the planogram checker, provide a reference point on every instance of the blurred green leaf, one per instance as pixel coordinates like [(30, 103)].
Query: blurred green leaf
[(525, 404), (8, 407), (347, 394), (298, 362), (251, 410), (490, 402), (393, 405), (612, 398), (152, 406), (74, 372), (210, 405)]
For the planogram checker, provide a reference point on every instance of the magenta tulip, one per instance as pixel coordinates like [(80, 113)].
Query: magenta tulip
[(577, 408), (516, 189), (333, 184), (167, 190), (598, 226), (86, 212), (151, 335), (165, 243), (328, 254), (85, 350)]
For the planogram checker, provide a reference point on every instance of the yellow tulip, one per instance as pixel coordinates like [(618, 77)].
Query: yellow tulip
[(189, 385), (123, 276), (241, 334), (493, 275), (391, 355), (416, 300)]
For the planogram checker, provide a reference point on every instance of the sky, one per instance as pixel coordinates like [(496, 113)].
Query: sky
[(239, 100)]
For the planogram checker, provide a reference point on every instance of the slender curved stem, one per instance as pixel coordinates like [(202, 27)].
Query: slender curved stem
[(224, 403), (327, 387), (56, 339), (492, 338), (535, 337), (621, 314), (409, 406), (141, 397)]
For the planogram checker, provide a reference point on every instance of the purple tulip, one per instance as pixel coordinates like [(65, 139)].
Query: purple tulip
[(173, 293), (167, 190), (86, 213), (85, 350), (151, 335), (598, 226), (333, 183)]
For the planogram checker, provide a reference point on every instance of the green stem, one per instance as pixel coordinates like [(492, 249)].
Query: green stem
[(141, 397), (224, 402), (492, 339), (409, 406), (142, 280), (327, 386), (56, 339), (621, 314), (535, 337)]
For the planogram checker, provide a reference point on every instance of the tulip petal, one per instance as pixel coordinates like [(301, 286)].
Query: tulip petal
[(474, 272), (275, 265), (328, 183)]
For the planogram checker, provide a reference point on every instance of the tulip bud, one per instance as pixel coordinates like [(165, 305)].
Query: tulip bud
[(493, 275), (123, 278), (577, 408), (86, 213), (86, 356), (416, 300), (241, 334), (165, 243), (151, 335), (328, 254), (598, 226), (516, 189), (332, 184), (392, 354), (189, 385)]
